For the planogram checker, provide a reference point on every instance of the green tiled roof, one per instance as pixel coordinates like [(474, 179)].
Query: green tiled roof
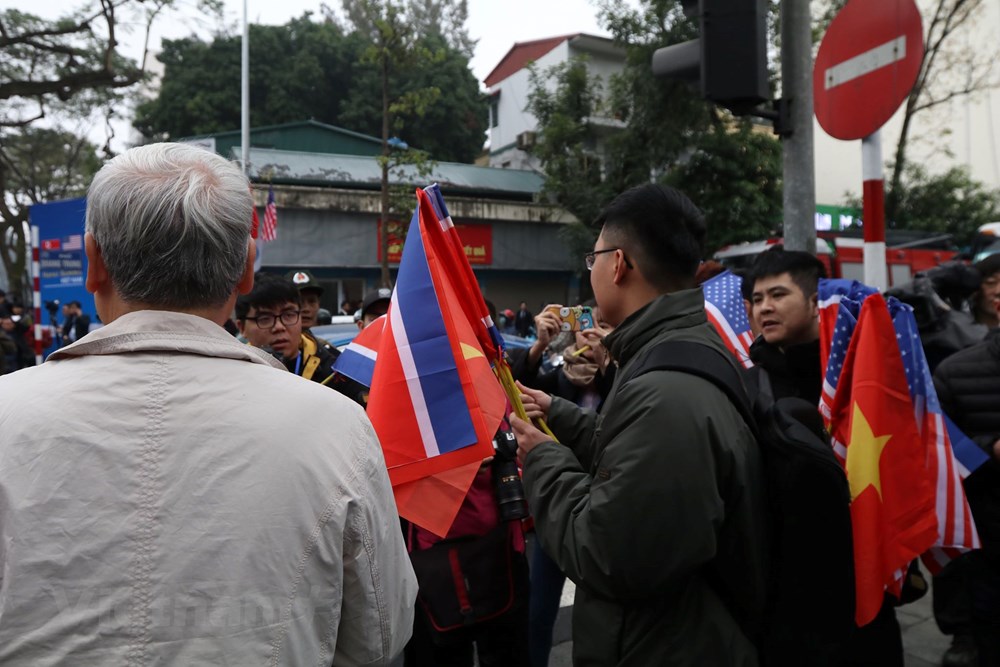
[(357, 171)]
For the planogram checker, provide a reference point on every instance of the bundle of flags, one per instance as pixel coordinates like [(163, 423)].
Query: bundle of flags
[(905, 461), (435, 401), (888, 430)]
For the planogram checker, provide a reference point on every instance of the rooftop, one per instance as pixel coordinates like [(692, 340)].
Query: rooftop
[(361, 171)]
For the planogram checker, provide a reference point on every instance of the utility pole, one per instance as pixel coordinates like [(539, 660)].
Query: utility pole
[(799, 164)]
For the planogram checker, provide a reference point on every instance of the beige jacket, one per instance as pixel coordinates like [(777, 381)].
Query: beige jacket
[(169, 496)]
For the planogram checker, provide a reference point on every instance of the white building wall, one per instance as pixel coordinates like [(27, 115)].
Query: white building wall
[(513, 116)]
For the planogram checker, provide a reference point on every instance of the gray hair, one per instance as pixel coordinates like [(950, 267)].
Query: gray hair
[(173, 224)]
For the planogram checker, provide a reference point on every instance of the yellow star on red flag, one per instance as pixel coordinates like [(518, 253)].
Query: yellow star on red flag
[(864, 452)]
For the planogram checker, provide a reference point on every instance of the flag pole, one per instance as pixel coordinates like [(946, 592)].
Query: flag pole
[(245, 95)]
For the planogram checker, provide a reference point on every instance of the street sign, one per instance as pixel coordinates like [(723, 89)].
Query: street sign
[(866, 66)]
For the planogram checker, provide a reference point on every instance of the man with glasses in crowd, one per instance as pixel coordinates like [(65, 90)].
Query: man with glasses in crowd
[(270, 317), (654, 505)]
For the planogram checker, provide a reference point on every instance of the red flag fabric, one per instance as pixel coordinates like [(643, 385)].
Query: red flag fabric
[(892, 498), (435, 403), (449, 247), (255, 224)]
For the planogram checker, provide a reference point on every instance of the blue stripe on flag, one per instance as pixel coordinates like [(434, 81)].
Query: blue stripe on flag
[(420, 313), (355, 365), (966, 451)]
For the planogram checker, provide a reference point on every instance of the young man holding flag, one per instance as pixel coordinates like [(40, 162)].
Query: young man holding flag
[(654, 516)]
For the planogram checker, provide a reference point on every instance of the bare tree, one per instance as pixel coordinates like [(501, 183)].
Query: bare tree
[(54, 73), (949, 69)]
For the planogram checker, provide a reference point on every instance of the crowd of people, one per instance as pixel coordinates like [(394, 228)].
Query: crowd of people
[(172, 493)]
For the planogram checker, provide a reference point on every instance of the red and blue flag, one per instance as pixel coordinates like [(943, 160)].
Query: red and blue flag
[(357, 360), (435, 402)]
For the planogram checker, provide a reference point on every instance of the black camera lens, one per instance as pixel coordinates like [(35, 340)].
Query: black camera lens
[(506, 478)]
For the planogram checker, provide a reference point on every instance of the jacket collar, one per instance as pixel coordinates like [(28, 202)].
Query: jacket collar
[(676, 310), (164, 331)]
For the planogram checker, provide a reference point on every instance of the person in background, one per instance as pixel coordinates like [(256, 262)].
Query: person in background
[(185, 504), (968, 386), (373, 306), (983, 302), (583, 377), (523, 321), (310, 290), (76, 324)]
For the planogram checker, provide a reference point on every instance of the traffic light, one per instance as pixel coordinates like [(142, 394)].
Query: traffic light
[(729, 60)]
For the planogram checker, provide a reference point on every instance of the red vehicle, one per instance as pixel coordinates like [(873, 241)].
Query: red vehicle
[(907, 253)]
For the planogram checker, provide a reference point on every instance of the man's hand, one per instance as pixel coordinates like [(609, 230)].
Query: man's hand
[(599, 354), (528, 437), (996, 450), (547, 325), (536, 403)]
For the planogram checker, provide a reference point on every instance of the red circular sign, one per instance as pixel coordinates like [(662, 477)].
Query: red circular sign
[(866, 66)]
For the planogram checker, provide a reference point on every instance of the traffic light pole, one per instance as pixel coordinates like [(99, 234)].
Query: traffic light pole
[(799, 165)]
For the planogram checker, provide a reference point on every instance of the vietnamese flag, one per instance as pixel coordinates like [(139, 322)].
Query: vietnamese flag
[(892, 498)]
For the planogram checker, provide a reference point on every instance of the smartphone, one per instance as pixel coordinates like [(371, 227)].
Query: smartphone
[(574, 318)]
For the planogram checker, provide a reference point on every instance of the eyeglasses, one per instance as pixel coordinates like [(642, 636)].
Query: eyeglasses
[(591, 256), (267, 320)]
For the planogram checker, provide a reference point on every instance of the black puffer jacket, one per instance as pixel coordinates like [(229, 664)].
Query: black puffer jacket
[(968, 384)]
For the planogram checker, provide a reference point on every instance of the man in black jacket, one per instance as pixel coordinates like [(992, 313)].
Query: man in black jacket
[(785, 309), (968, 385)]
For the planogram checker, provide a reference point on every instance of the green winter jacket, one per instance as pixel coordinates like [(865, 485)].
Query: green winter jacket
[(654, 508)]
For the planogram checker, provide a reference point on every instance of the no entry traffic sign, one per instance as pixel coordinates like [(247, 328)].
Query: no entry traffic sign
[(866, 66)]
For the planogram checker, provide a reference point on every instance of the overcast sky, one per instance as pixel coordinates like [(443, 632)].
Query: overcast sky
[(497, 24)]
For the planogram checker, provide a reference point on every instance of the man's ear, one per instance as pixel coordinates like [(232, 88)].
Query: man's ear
[(621, 268), (97, 270), (246, 280), (814, 304)]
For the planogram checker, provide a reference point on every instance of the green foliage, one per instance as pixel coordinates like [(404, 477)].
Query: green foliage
[(325, 71), (566, 145), (733, 175), (951, 202), (47, 165), (595, 143), (69, 72)]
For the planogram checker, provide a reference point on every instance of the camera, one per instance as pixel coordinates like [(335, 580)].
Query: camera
[(506, 478), (52, 306)]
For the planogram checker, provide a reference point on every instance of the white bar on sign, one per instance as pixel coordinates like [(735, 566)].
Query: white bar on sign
[(865, 63)]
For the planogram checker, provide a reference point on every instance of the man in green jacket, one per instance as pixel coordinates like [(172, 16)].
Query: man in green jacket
[(654, 505)]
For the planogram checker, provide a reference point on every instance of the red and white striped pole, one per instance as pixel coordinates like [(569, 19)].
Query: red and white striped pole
[(36, 280), (876, 272)]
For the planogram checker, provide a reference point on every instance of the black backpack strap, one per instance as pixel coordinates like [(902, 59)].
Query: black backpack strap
[(706, 362)]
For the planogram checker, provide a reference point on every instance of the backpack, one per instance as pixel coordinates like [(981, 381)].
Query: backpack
[(810, 581)]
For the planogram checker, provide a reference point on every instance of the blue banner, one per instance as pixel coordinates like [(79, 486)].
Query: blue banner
[(62, 261)]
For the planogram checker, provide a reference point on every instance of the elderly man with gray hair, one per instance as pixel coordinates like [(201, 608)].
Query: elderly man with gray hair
[(166, 495)]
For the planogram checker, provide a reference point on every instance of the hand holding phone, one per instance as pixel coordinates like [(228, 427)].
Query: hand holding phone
[(574, 318)]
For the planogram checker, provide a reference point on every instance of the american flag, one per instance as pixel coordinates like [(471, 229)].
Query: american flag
[(840, 305), (73, 242), (269, 230), (727, 313), (956, 530)]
